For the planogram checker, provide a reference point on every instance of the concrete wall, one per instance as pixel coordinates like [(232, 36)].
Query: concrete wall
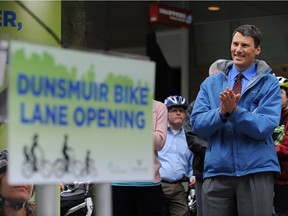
[(212, 40)]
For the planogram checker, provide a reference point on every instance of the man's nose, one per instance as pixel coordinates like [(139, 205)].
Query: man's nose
[(239, 48)]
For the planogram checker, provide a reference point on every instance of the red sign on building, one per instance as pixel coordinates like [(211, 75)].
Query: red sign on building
[(169, 15)]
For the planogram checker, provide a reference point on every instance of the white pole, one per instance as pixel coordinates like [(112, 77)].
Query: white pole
[(103, 199), (47, 200)]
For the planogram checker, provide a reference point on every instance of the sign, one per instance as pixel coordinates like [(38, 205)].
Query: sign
[(77, 116), (169, 15), (16, 22)]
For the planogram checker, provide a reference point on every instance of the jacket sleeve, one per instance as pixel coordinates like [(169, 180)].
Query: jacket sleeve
[(195, 143), (205, 121), (282, 149), (160, 125)]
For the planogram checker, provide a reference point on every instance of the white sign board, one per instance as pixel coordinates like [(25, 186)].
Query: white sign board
[(76, 116)]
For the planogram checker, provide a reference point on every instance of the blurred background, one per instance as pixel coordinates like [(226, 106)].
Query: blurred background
[(183, 55)]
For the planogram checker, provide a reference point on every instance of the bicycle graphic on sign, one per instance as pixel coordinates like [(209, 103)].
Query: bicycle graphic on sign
[(35, 160)]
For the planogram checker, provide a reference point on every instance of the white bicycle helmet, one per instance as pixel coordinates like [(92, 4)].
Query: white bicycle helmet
[(176, 100), (283, 82)]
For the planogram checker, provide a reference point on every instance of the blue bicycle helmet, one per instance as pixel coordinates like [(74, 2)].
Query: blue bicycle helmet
[(3, 161), (176, 100)]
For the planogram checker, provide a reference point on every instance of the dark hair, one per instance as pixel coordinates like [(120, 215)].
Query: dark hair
[(30, 209), (252, 31), (285, 89)]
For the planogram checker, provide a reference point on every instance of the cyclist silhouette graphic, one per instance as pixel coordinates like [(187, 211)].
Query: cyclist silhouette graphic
[(26, 154), (34, 160), (88, 160), (65, 152), (33, 155)]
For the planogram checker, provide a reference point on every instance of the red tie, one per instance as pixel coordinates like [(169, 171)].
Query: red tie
[(238, 84)]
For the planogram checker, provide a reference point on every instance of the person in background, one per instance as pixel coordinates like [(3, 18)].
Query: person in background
[(218, 65), (176, 158), (144, 198), (280, 136), (198, 144), (14, 200), (237, 111)]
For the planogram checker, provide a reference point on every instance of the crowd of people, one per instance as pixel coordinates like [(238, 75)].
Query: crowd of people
[(231, 142)]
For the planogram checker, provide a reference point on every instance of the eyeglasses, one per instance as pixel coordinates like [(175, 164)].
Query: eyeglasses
[(178, 109)]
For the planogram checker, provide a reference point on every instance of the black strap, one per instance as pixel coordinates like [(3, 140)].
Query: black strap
[(174, 182), (14, 205), (184, 179)]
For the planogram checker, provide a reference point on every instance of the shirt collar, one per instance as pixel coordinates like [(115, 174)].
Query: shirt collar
[(170, 129), (248, 74)]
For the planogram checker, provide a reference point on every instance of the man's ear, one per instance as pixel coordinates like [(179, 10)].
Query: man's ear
[(258, 50)]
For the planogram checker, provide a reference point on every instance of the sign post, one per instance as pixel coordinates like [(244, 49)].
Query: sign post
[(103, 199), (45, 200)]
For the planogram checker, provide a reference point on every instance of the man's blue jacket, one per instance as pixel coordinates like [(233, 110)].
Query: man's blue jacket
[(243, 144)]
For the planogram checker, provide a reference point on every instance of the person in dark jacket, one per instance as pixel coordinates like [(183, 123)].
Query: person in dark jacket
[(198, 144)]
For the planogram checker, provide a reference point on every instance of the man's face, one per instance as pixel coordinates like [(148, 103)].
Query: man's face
[(176, 116), (243, 51)]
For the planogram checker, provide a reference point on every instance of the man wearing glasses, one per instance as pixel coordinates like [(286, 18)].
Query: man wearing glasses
[(176, 158)]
